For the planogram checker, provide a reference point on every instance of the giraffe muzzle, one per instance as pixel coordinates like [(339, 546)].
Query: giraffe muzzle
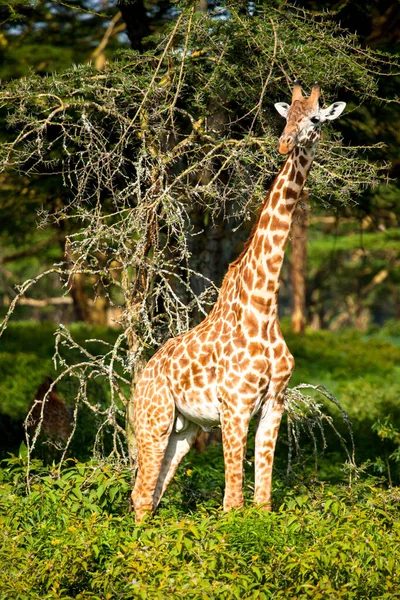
[(286, 144)]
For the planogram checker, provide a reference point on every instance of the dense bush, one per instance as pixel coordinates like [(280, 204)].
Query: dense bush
[(72, 538)]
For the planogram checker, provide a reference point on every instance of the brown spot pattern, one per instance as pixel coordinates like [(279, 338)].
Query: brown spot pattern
[(232, 364)]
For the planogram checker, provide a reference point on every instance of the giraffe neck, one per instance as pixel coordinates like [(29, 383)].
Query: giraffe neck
[(260, 266)]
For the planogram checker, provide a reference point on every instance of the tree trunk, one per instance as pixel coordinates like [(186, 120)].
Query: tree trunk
[(201, 6), (80, 298), (137, 22), (298, 264)]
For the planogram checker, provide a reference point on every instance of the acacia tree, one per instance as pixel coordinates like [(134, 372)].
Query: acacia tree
[(139, 149)]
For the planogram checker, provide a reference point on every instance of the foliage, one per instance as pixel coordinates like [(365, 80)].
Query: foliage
[(362, 372), (26, 360), (70, 538), (391, 439), (50, 36)]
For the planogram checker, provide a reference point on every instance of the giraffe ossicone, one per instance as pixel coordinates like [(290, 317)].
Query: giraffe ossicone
[(235, 364)]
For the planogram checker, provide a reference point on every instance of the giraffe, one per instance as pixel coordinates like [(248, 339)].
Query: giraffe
[(235, 364)]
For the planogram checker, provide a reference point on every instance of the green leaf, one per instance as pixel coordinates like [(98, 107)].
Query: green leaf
[(23, 451)]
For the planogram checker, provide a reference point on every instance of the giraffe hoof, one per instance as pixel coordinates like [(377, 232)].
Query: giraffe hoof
[(233, 505), (141, 516), (143, 513)]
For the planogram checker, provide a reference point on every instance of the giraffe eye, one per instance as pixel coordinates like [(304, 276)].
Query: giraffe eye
[(315, 120)]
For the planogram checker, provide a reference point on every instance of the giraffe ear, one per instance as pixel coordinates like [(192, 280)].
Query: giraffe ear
[(332, 112), (282, 108)]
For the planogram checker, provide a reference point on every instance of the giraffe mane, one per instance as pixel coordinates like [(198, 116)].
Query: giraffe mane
[(251, 236), (227, 279)]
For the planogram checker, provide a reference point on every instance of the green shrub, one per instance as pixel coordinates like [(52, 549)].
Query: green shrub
[(73, 538), (21, 373)]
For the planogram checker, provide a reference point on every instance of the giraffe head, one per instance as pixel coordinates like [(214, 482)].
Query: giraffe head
[(304, 118)]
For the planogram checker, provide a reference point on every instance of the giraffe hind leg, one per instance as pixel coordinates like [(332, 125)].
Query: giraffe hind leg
[(149, 466), (179, 444), (153, 431)]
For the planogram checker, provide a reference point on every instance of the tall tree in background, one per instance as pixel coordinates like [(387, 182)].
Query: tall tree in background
[(298, 263)]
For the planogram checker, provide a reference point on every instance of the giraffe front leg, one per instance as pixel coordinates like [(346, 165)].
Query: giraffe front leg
[(266, 436), (234, 425)]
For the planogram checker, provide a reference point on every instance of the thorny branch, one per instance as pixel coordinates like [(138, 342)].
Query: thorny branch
[(305, 414)]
